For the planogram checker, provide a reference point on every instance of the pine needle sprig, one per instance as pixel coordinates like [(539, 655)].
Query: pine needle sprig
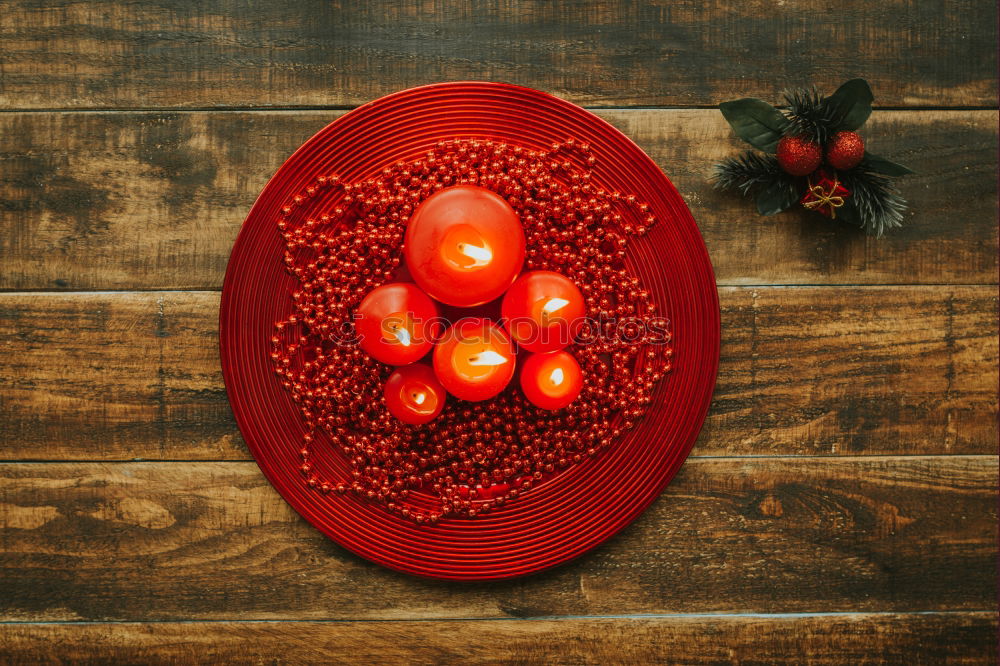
[(748, 171), (876, 199), (871, 201), (809, 114)]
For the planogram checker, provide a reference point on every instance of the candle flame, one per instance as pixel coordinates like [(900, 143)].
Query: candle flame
[(553, 305), (403, 335), (419, 398), (479, 255), (557, 376), (488, 357)]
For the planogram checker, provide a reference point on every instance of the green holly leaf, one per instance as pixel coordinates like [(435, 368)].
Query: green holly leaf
[(852, 104), (776, 198), (882, 165), (755, 121)]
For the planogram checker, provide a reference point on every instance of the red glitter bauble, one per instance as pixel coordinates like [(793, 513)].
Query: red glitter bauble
[(799, 155), (845, 150)]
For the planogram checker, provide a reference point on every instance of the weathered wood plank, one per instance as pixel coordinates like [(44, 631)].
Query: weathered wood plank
[(856, 371), (214, 541), (113, 376), (154, 200), (176, 54), (962, 638)]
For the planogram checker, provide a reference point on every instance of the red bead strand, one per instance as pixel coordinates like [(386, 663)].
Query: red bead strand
[(475, 456)]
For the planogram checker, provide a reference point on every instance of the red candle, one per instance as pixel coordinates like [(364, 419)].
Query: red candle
[(395, 323), (475, 359), (551, 381), (414, 395), (464, 245), (543, 310)]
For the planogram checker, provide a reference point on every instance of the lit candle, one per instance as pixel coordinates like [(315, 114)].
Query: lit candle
[(552, 380), (414, 395), (464, 245), (475, 359), (543, 310), (395, 323)]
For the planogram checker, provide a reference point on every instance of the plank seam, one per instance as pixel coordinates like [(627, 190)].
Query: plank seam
[(246, 109), (636, 616), (726, 285), (830, 458)]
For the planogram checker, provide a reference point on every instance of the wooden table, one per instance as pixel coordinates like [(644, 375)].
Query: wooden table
[(839, 506)]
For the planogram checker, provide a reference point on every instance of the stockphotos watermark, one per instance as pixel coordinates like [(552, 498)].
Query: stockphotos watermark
[(409, 330)]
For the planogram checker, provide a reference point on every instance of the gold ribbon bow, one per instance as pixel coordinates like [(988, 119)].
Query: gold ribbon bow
[(825, 198)]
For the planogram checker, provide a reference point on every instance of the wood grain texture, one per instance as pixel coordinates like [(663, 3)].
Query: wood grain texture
[(857, 639), (119, 376), (214, 541), (840, 505), (855, 371), (71, 54), (154, 200)]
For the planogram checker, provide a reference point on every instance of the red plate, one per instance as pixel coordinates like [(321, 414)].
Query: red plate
[(561, 518)]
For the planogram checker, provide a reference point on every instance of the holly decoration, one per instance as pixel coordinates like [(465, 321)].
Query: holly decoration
[(812, 156)]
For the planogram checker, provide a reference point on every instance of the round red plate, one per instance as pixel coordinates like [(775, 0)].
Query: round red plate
[(579, 508)]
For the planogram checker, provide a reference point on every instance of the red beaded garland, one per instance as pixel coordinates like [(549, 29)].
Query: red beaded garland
[(474, 457)]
